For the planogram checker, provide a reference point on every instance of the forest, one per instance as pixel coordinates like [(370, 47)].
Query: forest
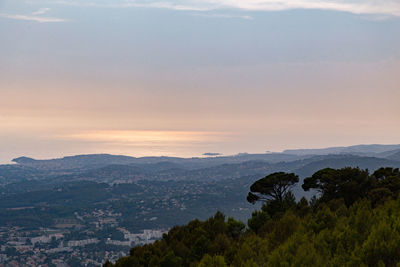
[(353, 220)]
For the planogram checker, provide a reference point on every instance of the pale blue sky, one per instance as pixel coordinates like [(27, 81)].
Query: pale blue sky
[(208, 75)]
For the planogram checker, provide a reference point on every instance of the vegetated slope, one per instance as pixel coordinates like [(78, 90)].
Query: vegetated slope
[(220, 172), (330, 231), (387, 154), (395, 156), (171, 202), (114, 173), (69, 194), (14, 173)]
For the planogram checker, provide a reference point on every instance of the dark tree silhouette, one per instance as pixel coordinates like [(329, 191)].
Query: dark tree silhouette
[(347, 183), (272, 187), (384, 173)]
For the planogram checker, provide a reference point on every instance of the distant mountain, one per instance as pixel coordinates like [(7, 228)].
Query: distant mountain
[(111, 169), (24, 161), (95, 161), (75, 162), (101, 160), (121, 169), (357, 149)]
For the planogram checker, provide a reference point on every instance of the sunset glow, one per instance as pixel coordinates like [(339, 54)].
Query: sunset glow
[(187, 77)]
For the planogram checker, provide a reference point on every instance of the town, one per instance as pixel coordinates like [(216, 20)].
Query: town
[(72, 243)]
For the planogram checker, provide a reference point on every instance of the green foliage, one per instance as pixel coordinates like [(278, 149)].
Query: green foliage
[(235, 228), (346, 226), (257, 220), (215, 261)]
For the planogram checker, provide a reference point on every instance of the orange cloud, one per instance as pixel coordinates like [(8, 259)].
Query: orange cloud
[(145, 136)]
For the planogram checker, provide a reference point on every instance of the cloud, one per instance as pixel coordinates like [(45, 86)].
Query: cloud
[(224, 16), (145, 137), (31, 18), (212, 154), (41, 11), (34, 16), (384, 7), (352, 6), (145, 4)]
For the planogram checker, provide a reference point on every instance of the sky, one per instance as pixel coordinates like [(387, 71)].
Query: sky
[(183, 78)]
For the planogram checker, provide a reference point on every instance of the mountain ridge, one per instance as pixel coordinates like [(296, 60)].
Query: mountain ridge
[(355, 149)]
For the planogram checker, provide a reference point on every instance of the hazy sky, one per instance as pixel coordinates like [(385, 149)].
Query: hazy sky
[(182, 78)]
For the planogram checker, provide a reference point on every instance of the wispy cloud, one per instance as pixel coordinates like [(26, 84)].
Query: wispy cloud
[(386, 7), (31, 18), (34, 16), (41, 11), (174, 5), (146, 137), (353, 6), (224, 16)]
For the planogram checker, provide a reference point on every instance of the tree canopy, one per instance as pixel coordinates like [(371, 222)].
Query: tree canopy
[(349, 183), (272, 187)]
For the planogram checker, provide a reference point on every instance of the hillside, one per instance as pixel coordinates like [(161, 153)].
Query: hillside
[(329, 231), (395, 156)]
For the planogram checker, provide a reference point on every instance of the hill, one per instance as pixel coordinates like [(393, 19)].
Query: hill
[(329, 231), (395, 156), (75, 162)]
